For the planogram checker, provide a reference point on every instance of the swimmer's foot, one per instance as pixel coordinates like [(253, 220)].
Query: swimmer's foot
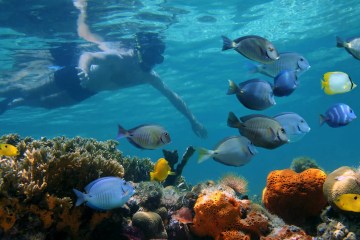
[(83, 77)]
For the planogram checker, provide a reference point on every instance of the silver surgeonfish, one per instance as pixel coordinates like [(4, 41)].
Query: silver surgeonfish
[(253, 47), (295, 126), (262, 131), (351, 45), (145, 136), (232, 151), (254, 94), (289, 61), (105, 193)]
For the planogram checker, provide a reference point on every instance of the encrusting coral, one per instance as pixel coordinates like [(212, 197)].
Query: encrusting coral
[(150, 223), (295, 196)]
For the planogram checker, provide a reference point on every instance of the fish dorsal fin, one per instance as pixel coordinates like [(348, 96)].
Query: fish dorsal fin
[(90, 185), (282, 114), (224, 140), (248, 117)]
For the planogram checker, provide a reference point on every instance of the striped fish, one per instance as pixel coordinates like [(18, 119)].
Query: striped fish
[(105, 193), (338, 115), (145, 136)]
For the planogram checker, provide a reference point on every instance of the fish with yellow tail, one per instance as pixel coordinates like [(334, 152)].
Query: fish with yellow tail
[(337, 83), (145, 136), (348, 202), (8, 150), (161, 171)]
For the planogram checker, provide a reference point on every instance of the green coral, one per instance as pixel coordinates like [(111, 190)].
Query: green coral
[(303, 163)]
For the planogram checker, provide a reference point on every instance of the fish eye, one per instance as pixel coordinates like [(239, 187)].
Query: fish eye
[(282, 130), (302, 120), (355, 198), (350, 112), (6, 146), (301, 59), (271, 49)]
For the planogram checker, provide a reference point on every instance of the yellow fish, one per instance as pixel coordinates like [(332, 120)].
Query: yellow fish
[(348, 202), (8, 150), (337, 82), (161, 170)]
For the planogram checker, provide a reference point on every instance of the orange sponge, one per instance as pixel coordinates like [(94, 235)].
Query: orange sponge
[(295, 196), (220, 215)]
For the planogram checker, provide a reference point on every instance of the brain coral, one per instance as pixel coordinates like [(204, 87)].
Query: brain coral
[(295, 196), (341, 181), (220, 215)]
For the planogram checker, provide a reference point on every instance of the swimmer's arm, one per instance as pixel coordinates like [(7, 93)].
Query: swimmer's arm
[(179, 104)]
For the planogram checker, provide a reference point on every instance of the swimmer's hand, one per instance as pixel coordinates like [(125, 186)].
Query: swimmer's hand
[(199, 129), (84, 76)]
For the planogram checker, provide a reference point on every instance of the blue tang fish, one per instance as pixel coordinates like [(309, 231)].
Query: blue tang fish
[(295, 126), (105, 193), (290, 61), (254, 94), (232, 151), (285, 83), (145, 136), (338, 115)]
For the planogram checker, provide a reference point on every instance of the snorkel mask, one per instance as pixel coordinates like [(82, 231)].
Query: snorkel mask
[(149, 49)]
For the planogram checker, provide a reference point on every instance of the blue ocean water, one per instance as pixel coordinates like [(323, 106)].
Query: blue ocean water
[(194, 67)]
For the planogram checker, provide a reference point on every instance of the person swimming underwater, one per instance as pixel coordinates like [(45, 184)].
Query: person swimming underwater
[(109, 69)]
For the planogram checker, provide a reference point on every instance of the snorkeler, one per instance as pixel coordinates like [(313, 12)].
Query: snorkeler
[(109, 69)]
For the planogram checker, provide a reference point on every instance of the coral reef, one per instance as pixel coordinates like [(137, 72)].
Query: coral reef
[(303, 163), (218, 213), (338, 226), (150, 223), (235, 182), (295, 196), (36, 186), (341, 181)]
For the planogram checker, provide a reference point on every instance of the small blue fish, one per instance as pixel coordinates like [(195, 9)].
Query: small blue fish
[(254, 94), (285, 83), (145, 136), (232, 151), (295, 126), (105, 193), (338, 115), (289, 61), (55, 68)]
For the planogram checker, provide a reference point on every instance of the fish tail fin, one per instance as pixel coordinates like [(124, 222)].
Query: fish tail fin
[(233, 121), (152, 178), (233, 88), (204, 154), (172, 173), (80, 197), (339, 42), (322, 119), (122, 132), (323, 83), (227, 43)]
